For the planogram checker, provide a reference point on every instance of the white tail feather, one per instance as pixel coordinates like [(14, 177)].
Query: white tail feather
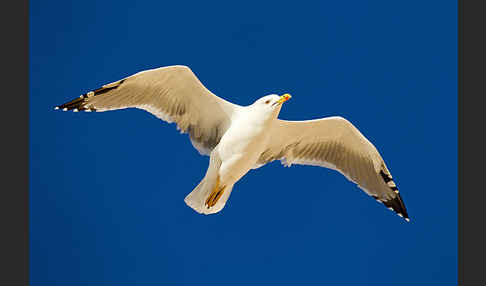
[(197, 198)]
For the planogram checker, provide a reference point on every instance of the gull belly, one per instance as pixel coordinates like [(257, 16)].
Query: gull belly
[(241, 146)]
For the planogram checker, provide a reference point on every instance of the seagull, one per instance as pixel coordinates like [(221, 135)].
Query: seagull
[(240, 138)]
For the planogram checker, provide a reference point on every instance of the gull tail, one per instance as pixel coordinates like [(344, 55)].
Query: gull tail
[(209, 196)]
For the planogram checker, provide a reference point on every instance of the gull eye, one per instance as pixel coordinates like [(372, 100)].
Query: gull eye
[(267, 102)]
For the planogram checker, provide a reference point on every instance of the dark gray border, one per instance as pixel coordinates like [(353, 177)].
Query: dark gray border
[(472, 237), (14, 203)]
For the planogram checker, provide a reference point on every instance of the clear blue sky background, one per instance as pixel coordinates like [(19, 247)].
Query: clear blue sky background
[(107, 189)]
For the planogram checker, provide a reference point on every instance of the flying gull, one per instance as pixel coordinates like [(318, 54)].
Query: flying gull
[(239, 138)]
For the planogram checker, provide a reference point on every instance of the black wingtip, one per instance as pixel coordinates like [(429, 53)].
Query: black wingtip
[(396, 204), (79, 104), (76, 104)]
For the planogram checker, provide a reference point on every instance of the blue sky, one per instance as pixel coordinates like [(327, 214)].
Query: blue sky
[(107, 189)]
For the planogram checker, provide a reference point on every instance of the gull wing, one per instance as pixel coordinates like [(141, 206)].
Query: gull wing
[(173, 94), (337, 144)]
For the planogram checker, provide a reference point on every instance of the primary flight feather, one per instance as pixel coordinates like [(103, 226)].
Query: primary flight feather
[(239, 138)]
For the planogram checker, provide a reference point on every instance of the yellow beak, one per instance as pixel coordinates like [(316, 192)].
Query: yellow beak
[(284, 98)]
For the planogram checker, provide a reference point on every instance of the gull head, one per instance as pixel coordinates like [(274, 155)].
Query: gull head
[(270, 104)]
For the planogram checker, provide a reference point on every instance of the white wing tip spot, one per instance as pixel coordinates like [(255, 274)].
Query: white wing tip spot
[(407, 219), (399, 214), (87, 110), (75, 110), (64, 109), (56, 108), (390, 208)]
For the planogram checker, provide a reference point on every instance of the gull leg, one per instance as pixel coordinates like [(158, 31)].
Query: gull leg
[(215, 194)]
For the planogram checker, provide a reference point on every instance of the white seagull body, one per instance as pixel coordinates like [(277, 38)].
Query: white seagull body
[(239, 138)]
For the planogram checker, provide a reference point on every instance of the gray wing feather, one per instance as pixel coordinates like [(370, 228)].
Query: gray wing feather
[(173, 94), (337, 144)]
